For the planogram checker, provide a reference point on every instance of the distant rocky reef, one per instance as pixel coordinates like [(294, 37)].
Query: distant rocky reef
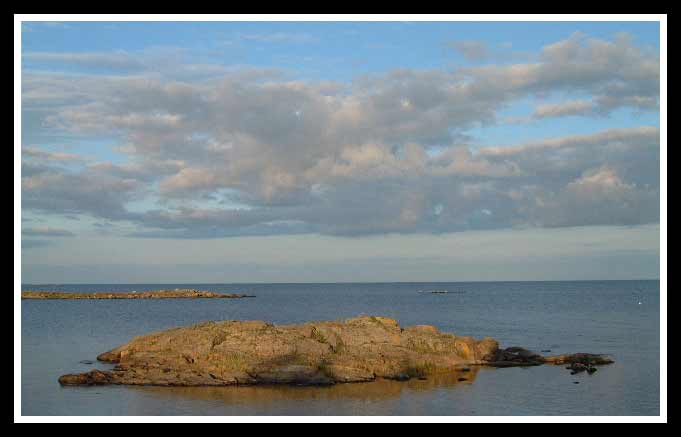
[(355, 350), (185, 293)]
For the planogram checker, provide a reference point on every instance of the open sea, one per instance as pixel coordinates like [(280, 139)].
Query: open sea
[(619, 318)]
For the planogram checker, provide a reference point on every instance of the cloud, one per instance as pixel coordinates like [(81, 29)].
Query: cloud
[(243, 154), (90, 191), (277, 37), (116, 60), (46, 232), (575, 107), (568, 181), (46, 156), (616, 73), (583, 200), (472, 50)]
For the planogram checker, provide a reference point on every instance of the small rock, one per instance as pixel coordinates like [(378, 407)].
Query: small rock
[(88, 362), (400, 377), (577, 368), (576, 382), (462, 379), (94, 377)]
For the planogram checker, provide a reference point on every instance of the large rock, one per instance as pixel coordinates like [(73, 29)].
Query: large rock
[(320, 353)]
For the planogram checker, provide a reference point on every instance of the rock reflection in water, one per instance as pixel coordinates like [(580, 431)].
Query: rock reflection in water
[(381, 389)]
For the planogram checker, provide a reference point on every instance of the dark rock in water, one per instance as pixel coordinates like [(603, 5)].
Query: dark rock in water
[(94, 377), (400, 377), (462, 379), (546, 351), (515, 357), (88, 362), (577, 368), (581, 362), (514, 363), (576, 382), (586, 359)]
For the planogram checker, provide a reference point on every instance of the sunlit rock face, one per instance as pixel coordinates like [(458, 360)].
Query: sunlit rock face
[(361, 349)]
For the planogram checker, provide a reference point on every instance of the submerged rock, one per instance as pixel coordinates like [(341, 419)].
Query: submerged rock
[(361, 349), (514, 357), (580, 358), (518, 357)]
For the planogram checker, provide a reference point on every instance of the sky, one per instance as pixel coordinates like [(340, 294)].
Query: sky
[(188, 152)]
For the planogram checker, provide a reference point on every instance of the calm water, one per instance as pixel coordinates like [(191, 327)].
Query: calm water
[(584, 316)]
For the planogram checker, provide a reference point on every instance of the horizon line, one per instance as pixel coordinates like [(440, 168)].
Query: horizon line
[(334, 282)]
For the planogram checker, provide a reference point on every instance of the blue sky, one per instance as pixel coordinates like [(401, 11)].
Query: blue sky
[(215, 134)]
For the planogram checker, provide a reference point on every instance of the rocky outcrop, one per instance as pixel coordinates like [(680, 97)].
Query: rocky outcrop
[(517, 356), (587, 359), (513, 357), (157, 294), (361, 349)]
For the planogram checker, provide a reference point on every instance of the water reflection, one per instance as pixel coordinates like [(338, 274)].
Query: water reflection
[(380, 389)]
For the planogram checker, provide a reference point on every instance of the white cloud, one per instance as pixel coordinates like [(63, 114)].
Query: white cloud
[(472, 50), (575, 107)]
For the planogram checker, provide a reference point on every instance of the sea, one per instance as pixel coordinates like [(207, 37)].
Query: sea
[(618, 318)]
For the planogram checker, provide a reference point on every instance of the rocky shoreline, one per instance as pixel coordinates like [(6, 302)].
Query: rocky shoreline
[(186, 293), (360, 349)]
